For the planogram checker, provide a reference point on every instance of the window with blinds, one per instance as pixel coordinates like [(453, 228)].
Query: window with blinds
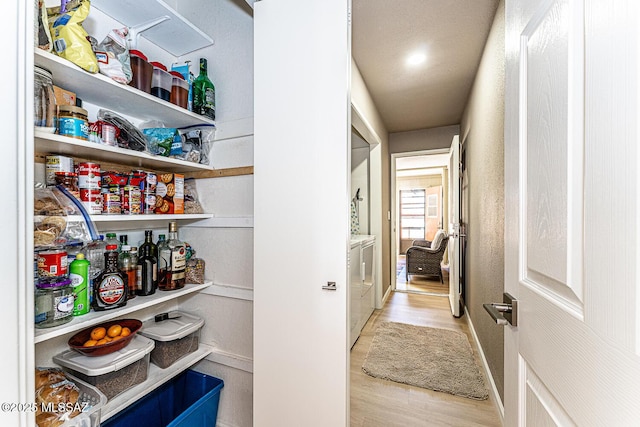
[(412, 213)]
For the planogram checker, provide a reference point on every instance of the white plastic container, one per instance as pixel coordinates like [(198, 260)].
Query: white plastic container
[(112, 373), (174, 337)]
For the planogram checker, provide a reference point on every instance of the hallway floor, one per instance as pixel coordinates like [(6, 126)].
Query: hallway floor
[(417, 283), (381, 403)]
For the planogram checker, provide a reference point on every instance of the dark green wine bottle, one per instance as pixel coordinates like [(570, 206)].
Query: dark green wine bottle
[(204, 93)]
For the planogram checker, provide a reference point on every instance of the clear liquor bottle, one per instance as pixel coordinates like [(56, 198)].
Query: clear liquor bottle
[(176, 253)]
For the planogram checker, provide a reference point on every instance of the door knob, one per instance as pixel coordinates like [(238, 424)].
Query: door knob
[(504, 313)]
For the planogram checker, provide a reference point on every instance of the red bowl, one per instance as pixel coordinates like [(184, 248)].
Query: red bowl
[(76, 342)]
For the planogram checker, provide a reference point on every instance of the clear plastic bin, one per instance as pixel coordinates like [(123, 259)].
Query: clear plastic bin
[(112, 373), (174, 337)]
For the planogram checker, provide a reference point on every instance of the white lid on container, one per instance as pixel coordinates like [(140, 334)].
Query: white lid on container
[(173, 328), (100, 365)]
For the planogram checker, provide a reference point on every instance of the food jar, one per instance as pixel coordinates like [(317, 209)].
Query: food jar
[(161, 82), (179, 90), (142, 71), (72, 122), (54, 303), (44, 100)]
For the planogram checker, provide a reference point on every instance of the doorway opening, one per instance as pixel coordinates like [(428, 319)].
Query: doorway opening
[(420, 208)]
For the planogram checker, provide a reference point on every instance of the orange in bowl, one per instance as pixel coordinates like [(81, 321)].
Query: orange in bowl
[(85, 341)]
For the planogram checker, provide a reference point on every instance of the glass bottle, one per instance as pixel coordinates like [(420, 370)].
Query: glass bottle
[(94, 253), (111, 286), (164, 261), (44, 99), (147, 265), (123, 241), (204, 93), (133, 254), (175, 252), (128, 269), (111, 240)]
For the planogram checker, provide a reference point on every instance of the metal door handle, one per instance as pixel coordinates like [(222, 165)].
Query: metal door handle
[(504, 313)]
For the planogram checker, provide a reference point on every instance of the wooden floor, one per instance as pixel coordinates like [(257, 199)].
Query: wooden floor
[(381, 403), (416, 283)]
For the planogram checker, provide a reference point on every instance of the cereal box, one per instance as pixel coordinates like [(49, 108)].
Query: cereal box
[(170, 193)]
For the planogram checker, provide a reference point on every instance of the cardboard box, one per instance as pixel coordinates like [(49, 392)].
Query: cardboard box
[(64, 97), (170, 193)]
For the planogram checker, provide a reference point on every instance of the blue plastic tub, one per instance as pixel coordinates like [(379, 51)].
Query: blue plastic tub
[(189, 400)]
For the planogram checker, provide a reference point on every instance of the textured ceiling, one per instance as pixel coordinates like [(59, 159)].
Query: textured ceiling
[(451, 33)]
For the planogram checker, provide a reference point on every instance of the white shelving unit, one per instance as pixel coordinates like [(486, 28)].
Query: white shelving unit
[(155, 378), (95, 317), (101, 90), (177, 36), (60, 144)]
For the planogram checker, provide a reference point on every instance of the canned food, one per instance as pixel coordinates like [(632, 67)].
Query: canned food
[(91, 200), (149, 203), (131, 200), (111, 201), (138, 179), (57, 163), (114, 178), (152, 181), (89, 176), (107, 132), (52, 263)]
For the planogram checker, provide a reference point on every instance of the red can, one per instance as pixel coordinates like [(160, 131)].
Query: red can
[(89, 176), (52, 263), (91, 200)]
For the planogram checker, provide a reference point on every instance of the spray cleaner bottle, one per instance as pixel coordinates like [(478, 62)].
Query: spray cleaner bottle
[(79, 273)]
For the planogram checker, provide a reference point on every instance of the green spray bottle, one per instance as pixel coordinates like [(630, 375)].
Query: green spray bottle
[(79, 274)]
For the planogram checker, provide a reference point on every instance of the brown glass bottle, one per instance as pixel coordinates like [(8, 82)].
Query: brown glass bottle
[(110, 287)]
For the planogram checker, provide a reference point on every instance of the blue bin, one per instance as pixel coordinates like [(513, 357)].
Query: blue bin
[(188, 400)]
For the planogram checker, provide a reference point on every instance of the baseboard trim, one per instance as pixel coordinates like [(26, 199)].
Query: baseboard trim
[(485, 365)]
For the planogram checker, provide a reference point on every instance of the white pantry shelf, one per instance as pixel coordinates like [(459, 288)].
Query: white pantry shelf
[(155, 378), (101, 90), (176, 35), (134, 305), (52, 143)]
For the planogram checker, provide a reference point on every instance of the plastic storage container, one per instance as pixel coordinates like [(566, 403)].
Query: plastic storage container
[(174, 337), (189, 400), (142, 71), (91, 400), (112, 373), (161, 82), (179, 90)]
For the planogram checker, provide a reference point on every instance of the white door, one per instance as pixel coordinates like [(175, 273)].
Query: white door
[(454, 227), (572, 194), (301, 212)]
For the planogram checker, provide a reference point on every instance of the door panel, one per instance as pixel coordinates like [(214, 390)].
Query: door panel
[(454, 227), (571, 199), (302, 62)]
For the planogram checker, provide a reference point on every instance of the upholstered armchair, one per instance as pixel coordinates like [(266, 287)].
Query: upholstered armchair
[(424, 257)]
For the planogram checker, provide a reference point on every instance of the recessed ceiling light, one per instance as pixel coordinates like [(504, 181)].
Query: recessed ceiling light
[(416, 59)]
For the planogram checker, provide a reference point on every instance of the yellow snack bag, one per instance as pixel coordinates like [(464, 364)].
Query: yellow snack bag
[(70, 38)]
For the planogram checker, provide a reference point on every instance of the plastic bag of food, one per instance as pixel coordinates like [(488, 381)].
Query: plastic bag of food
[(196, 142), (194, 272), (60, 219), (113, 56), (191, 203), (129, 136), (57, 393), (43, 36), (163, 141), (70, 38)]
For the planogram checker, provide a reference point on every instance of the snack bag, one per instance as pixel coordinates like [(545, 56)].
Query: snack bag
[(70, 38), (113, 56)]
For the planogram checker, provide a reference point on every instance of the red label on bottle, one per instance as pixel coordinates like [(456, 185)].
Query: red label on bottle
[(111, 289)]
